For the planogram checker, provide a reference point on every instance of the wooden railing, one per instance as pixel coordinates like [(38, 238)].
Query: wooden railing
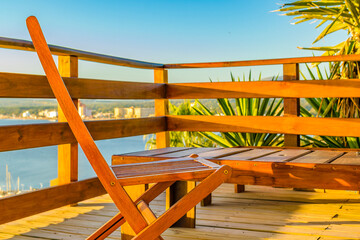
[(69, 190)]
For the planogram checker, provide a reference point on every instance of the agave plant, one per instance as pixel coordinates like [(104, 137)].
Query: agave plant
[(243, 107), (181, 139)]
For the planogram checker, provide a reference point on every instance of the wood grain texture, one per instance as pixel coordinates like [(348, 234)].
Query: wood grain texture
[(319, 157), (27, 204), (47, 134), (266, 124), (351, 158), (283, 156), (265, 89), (251, 154), (295, 175), (14, 85), (19, 44), (291, 105), (68, 153), (278, 61)]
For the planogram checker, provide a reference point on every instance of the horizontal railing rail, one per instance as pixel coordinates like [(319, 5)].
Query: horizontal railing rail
[(262, 62), (25, 45), (31, 203), (14, 85), (266, 124), (16, 137), (265, 89)]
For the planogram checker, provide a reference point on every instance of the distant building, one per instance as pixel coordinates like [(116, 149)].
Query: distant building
[(48, 114), (133, 112), (84, 111), (26, 114), (119, 112)]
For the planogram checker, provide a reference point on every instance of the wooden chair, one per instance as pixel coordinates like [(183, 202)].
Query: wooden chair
[(163, 173)]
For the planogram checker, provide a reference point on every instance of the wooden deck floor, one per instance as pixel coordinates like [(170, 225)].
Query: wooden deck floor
[(259, 213)]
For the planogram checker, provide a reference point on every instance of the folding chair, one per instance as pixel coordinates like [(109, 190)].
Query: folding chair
[(163, 173)]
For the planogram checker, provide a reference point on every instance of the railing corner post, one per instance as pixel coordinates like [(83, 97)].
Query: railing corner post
[(67, 153)]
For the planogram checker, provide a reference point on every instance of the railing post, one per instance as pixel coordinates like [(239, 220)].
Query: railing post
[(291, 105), (178, 189), (161, 109), (67, 153)]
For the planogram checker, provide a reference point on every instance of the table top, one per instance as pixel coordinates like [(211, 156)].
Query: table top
[(265, 154)]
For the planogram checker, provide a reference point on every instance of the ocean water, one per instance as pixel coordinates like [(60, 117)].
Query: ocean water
[(37, 166)]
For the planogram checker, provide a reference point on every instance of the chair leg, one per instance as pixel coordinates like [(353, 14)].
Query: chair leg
[(118, 219), (108, 228), (207, 186)]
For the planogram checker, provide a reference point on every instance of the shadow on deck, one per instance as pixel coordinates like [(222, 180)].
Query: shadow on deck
[(258, 213)]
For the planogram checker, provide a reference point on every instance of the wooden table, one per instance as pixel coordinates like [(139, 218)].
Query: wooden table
[(267, 166), (278, 167)]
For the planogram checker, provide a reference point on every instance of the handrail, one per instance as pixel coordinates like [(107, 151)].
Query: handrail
[(276, 61), (12, 43), (19, 44)]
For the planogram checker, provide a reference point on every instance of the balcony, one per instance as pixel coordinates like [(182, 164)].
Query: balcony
[(258, 213)]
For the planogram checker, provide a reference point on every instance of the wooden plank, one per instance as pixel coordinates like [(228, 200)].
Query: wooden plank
[(181, 175), (27, 204), (184, 153), (284, 155), (47, 134), (338, 58), (350, 158), (265, 89), (222, 152), (252, 154), (312, 148), (13, 85), (298, 175), (291, 105), (154, 152), (319, 157), (67, 153), (25, 45), (160, 166), (266, 124)]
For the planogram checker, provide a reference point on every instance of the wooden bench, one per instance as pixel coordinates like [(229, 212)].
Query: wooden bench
[(271, 166)]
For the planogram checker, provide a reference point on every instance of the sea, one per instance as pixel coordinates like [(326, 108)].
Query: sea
[(35, 167)]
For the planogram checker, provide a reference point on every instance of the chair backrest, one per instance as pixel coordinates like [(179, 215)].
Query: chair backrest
[(83, 136)]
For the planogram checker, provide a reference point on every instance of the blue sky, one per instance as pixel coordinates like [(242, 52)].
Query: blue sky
[(159, 31)]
